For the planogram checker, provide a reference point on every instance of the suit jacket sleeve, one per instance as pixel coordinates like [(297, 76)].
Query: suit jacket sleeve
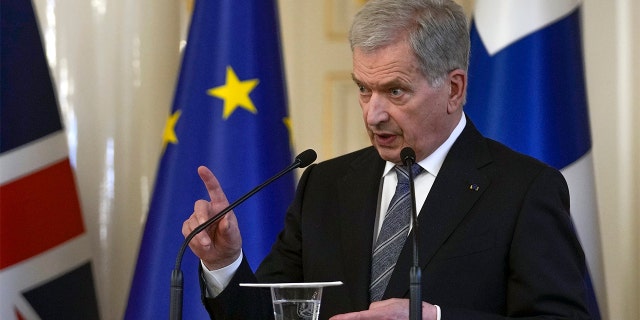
[(236, 302)]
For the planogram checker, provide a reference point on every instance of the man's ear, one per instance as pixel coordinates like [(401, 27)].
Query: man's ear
[(457, 90)]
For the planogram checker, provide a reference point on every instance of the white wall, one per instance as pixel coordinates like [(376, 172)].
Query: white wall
[(612, 57)]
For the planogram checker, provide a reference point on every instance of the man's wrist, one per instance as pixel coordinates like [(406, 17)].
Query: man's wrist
[(218, 279), (221, 264), (431, 311)]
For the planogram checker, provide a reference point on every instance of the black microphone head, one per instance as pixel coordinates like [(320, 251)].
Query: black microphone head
[(306, 158), (407, 154)]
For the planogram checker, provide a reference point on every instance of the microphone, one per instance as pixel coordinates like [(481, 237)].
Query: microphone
[(408, 157), (302, 160)]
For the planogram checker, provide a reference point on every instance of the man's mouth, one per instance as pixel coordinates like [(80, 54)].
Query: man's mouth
[(385, 139)]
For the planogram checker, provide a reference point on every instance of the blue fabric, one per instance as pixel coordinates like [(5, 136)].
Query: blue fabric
[(28, 108), (229, 42), (532, 97)]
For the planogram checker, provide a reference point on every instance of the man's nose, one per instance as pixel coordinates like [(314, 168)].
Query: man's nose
[(376, 111)]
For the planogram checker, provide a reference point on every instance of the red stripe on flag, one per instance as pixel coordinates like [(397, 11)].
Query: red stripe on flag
[(38, 212), (19, 315)]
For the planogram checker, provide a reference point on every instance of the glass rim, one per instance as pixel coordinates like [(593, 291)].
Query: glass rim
[(293, 284)]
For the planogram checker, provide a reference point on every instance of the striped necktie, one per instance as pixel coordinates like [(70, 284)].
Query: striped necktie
[(393, 234)]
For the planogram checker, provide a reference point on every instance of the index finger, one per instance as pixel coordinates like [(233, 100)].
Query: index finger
[(212, 184)]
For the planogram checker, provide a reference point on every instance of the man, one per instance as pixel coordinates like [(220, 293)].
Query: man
[(496, 236)]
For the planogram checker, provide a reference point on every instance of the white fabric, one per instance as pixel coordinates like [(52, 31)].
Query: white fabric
[(580, 178), (501, 23), (218, 279)]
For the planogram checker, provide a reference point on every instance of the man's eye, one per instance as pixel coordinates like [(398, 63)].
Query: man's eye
[(396, 92), (362, 89)]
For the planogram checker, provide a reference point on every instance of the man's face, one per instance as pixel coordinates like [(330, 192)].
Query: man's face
[(399, 107)]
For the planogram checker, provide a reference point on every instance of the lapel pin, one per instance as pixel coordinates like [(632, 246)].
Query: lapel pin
[(474, 187)]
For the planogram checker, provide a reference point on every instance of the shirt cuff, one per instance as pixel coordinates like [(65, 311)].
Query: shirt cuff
[(438, 313), (217, 280)]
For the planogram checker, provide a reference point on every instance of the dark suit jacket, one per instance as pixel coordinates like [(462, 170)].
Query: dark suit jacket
[(496, 239)]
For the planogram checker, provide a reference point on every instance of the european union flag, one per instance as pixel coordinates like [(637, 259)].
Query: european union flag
[(229, 113), (527, 90)]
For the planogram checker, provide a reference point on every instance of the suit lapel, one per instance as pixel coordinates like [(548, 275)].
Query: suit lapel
[(458, 185), (358, 192)]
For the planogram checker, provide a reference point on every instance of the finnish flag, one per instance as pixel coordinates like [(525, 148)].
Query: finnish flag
[(527, 90)]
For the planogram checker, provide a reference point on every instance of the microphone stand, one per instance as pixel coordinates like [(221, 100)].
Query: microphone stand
[(415, 274), (177, 282)]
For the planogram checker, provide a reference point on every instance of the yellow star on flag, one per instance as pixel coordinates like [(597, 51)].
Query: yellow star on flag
[(169, 134), (235, 94), (287, 123)]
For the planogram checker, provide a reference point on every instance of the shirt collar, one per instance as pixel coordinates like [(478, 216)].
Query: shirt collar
[(434, 161)]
